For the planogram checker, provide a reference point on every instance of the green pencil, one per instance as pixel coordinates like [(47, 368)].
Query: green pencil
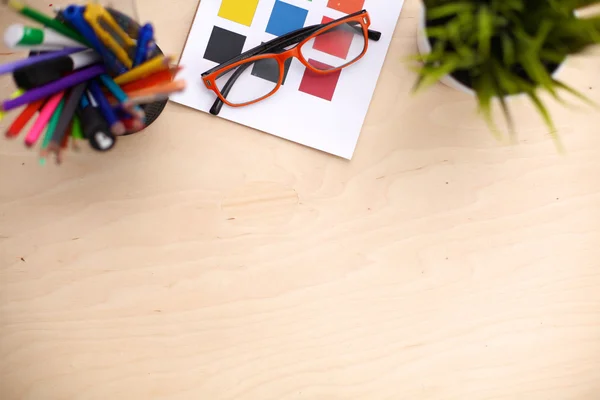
[(50, 131), (46, 20), (77, 132), (52, 124)]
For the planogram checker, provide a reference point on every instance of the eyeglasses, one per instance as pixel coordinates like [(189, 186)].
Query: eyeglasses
[(269, 60)]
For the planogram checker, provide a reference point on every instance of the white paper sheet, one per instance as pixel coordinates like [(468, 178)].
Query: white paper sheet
[(330, 126)]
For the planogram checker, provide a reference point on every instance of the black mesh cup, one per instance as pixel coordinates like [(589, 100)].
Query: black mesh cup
[(129, 25)]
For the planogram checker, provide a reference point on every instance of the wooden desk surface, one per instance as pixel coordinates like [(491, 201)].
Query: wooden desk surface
[(205, 260)]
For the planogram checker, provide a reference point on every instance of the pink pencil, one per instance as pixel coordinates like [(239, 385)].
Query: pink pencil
[(40, 123)]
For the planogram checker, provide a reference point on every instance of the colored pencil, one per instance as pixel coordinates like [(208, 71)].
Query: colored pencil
[(151, 80), (39, 48), (119, 94), (125, 114), (42, 119), (19, 123), (96, 95), (167, 88), (14, 95), (156, 64), (53, 123), (77, 132), (152, 95), (131, 124), (43, 19), (151, 98), (67, 115), (65, 141), (165, 76), (57, 86), (14, 65)]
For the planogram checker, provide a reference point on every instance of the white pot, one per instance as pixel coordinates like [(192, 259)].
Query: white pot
[(425, 48)]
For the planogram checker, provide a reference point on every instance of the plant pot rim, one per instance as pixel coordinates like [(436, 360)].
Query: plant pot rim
[(424, 47)]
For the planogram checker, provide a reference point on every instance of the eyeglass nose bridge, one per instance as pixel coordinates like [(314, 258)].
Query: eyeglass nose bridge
[(291, 53)]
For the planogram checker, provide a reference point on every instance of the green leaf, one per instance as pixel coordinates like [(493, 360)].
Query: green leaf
[(485, 93), (508, 50), (575, 93), (449, 10), (538, 72), (432, 75), (547, 119), (485, 31)]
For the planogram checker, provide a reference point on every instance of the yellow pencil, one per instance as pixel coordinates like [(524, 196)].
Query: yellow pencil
[(156, 64), (12, 96)]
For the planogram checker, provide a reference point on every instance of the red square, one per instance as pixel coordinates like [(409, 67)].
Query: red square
[(319, 85), (346, 6), (336, 42)]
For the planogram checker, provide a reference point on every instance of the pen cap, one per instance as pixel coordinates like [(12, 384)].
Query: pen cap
[(96, 130)]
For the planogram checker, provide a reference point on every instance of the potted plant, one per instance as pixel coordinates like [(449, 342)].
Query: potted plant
[(497, 49)]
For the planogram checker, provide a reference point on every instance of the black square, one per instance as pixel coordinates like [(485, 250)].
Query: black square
[(270, 71), (267, 71), (224, 45)]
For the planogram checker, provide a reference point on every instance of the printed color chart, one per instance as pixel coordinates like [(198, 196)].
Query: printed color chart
[(325, 112)]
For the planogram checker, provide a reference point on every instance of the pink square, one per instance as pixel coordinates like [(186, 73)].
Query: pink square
[(336, 43), (319, 85)]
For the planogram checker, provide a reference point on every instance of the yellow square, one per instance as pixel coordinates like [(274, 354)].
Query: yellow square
[(240, 11)]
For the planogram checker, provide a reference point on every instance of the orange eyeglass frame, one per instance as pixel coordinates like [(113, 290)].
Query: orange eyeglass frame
[(362, 17)]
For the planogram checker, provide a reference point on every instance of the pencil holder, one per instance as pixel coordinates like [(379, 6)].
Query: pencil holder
[(93, 72), (132, 27)]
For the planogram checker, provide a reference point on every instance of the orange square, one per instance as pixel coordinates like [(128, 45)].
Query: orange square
[(346, 6)]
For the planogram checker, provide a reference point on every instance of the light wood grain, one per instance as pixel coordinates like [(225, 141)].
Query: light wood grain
[(205, 260)]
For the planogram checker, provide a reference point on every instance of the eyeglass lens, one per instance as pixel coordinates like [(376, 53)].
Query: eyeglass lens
[(250, 81), (336, 47)]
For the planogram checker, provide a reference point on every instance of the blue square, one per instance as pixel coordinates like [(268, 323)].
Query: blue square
[(286, 18)]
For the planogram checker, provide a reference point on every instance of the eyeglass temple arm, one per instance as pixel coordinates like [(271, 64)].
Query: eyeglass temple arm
[(373, 35), (218, 104)]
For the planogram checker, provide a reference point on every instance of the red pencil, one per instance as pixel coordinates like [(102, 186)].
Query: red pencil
[(19, 123), (154, 79), (157, 78), (132, 125)]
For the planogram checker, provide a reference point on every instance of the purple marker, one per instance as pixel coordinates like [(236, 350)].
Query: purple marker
[(11, 66), (57, 86)]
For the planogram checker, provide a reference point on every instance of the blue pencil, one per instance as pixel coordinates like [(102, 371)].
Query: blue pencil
[(120, 95), (116, 126)]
